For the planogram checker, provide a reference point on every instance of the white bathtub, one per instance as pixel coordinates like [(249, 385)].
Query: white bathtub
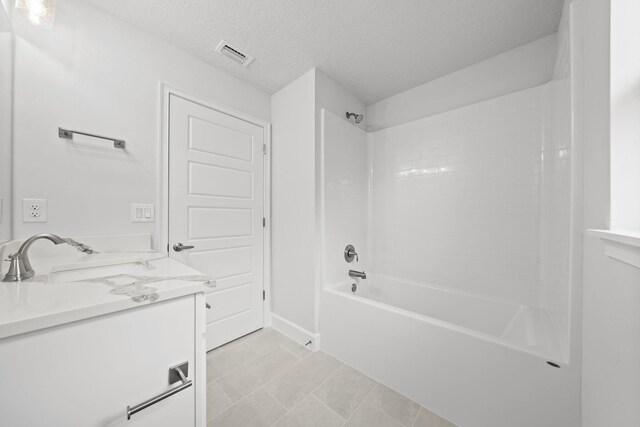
[(522, 327), (475, 361)]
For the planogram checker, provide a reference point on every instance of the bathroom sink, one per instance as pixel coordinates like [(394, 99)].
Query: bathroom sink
[(96, 269)]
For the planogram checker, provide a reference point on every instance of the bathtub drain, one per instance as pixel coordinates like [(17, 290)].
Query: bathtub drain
[(354, 288)]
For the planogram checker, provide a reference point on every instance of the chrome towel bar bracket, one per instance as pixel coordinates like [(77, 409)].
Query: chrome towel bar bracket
[(68, 134), (176, 373)]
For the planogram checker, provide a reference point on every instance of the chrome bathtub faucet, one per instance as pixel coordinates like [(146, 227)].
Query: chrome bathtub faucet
[(20, 268), (358, 274)]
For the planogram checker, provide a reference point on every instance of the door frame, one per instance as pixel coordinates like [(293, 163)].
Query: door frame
[(162, 214)]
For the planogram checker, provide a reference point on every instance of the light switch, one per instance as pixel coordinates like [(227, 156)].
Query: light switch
[(142, 212)]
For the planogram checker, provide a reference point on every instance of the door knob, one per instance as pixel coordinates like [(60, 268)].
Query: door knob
[(180, 247)]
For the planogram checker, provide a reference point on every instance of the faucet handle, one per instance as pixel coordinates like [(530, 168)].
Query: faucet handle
[(350, 253)]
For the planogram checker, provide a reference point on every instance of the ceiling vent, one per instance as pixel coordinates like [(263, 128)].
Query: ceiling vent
[(234, 53)]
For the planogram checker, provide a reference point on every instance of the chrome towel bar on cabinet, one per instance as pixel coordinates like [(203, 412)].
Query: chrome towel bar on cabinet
[(68, 134), (175, 374)]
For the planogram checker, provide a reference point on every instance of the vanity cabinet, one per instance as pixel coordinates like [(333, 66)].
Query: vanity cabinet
[(87, 372)]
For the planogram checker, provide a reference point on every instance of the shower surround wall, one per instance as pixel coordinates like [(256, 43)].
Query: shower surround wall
[(475, 200), (460, 199)]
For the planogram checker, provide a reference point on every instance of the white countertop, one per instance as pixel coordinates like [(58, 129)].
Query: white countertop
[(40, 303)]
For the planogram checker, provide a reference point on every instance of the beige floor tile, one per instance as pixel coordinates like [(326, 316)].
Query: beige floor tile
[(297, 349), (310, 413), (239, 383), (345, 390), (394, 404), (225, 359), (368, 416), (426, 418), (299, 381), (259, 409), (217, 400), (266, 340)]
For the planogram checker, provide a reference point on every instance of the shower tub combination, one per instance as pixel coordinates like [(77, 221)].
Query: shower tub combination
[(459, 348)]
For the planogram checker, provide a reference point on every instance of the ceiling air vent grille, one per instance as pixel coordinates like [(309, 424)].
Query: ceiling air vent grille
[(234, 53)]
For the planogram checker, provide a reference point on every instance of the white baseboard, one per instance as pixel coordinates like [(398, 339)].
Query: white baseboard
[(295, 332)]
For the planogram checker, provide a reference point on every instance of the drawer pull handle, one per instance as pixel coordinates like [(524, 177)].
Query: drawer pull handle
[(175, 373)]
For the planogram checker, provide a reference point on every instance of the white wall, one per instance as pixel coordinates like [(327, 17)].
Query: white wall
[(521, 68), (625, 115), (296, 209), (293, 202), (611, 310), (6, 98), (94, 73)]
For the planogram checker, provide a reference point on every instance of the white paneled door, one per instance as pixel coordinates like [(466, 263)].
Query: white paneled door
[(216, 210)]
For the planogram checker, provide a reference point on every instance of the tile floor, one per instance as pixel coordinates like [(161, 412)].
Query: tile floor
[(266, 379)]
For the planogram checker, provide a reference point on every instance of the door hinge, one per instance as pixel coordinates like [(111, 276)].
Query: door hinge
[(264, 149), (264, 295), (264, 222)]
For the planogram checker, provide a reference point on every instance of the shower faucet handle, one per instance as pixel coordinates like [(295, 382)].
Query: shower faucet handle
[(350, 253)]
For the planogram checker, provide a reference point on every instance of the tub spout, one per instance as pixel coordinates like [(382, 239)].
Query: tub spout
[(358, 274)]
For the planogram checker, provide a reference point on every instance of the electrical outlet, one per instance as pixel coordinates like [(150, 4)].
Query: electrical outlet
[(34, 210)]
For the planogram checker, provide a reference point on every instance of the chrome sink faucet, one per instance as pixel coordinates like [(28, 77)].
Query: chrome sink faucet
[(20, 268)]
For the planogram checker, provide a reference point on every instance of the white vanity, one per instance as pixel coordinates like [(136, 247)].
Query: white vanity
[(108, 339)]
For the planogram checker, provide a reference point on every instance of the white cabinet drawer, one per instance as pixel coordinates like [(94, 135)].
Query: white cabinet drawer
[(86, 373)]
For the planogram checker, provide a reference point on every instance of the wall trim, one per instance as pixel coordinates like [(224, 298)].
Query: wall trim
[(621, 245), (295, 332)]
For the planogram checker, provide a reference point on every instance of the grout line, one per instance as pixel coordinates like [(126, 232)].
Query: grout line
[(287, 410), (334, 372), (327, 406), (233, 371), (362, 403), (278, 400), (258, 355), (401, 395), (416, 417), (234, 404), (225, 393), (329, 377), (392, 417), (286, 349), (311, 392)]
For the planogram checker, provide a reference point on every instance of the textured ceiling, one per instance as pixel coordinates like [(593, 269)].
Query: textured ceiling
[(375, 48)]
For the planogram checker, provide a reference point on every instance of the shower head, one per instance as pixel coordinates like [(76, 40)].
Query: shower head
[(357, 117)]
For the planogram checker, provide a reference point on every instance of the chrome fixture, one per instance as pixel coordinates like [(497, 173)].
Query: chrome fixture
[(358, 274), (20, 268), (176, 373), (357, 117), (178, 247), (68, 134), (350, 253), (354, 287)]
